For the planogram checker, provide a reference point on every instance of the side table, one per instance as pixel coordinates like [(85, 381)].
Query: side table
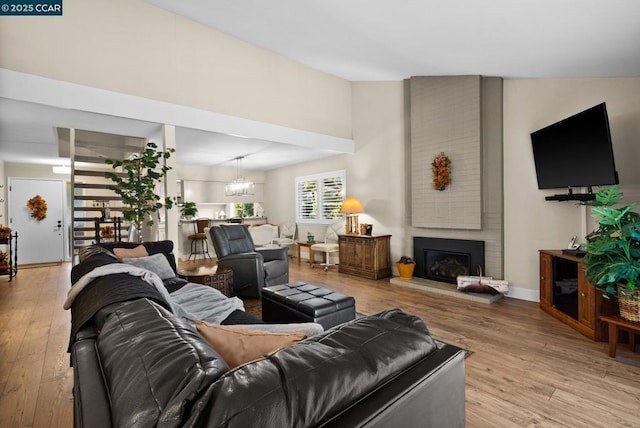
[(367, 256), (218, 277), (307, 245), (615, 323)]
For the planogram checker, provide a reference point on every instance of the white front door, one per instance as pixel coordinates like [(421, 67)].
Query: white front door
[(39, 241)]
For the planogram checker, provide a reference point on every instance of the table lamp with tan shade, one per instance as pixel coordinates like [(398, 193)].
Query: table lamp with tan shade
[(352, 207)]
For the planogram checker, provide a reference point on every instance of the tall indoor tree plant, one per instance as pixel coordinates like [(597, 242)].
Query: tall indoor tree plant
[(144, 171), (613, 251)]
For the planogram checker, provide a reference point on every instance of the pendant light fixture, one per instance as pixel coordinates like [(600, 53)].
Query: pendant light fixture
[(239, 187)]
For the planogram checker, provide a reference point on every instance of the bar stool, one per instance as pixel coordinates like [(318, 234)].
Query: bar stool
[(199, 237)]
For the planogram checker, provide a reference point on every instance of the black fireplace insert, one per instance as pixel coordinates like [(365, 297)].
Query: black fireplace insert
[(444, 260)]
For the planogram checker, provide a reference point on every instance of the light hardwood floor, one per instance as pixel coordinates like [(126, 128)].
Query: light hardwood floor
[(527, 369)]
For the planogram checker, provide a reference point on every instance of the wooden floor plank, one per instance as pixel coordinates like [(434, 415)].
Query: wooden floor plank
[(527, 368)]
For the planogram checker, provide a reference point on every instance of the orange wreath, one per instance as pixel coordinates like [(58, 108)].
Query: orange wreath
[(441, 170), (38, 207), (106, 232)]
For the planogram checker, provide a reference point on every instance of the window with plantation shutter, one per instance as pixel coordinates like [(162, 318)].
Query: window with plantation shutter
[(319, 197)]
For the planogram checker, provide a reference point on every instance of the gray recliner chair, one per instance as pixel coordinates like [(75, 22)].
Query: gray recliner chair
[(252, 268)]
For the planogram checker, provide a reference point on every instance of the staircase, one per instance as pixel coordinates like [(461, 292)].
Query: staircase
[(94, 204)]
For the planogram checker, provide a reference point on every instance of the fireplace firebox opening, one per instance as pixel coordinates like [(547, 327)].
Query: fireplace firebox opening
[(446, 265), (442, 259)]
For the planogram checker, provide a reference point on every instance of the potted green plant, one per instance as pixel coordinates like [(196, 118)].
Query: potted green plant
[(612, 256), (188, 210), (143, 172), (405, 267)]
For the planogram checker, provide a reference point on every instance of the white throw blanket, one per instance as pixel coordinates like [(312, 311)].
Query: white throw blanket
[(200, 302)]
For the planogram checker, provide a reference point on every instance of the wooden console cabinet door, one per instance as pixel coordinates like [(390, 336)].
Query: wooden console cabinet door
[(546, 280), (586, 301), (365, 256)]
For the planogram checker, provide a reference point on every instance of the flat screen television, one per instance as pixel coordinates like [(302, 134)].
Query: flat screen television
[(575, 152)]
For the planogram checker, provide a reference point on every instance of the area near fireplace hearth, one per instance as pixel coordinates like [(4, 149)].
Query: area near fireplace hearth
[(446, 215), (439, 261)]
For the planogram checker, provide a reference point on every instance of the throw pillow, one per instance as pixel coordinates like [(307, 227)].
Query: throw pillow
[(157, 264), (129, 253), (240, 345), (85, 252)]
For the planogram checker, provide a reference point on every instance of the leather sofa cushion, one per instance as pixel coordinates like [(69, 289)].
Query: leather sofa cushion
[(154, 365), (291, 388), (274, 269)]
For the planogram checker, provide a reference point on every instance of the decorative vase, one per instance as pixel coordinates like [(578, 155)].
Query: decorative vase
[(629, 304), (405, 270)]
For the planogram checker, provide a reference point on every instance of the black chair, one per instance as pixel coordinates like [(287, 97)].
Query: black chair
[(252, 269)]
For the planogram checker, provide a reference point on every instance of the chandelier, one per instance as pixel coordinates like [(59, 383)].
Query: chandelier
[(239, 187)]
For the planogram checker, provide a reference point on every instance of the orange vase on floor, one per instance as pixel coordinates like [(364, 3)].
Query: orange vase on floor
[(405, 270)]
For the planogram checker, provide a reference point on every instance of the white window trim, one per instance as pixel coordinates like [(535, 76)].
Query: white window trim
[(319, 177)]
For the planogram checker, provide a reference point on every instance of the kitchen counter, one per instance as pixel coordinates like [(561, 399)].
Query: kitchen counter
[(248, 220)]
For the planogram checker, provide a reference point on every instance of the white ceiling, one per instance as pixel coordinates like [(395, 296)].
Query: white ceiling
[(392, 40), (27, 136), (363, 40)]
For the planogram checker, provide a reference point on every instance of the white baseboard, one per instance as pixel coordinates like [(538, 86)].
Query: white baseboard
[(523, 294)]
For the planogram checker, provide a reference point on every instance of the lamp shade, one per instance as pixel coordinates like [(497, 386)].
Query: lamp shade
[(351, 205)]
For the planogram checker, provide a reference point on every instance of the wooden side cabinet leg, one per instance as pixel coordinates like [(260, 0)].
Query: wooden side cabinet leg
[(632, 341), (613, 339)]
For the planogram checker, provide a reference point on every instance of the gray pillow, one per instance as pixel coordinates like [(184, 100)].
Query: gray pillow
[(156, 263)]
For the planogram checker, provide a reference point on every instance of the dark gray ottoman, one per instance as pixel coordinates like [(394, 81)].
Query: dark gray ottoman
[(301, 302)]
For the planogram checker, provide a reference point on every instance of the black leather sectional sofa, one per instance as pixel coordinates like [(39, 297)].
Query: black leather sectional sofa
[(137, 365)]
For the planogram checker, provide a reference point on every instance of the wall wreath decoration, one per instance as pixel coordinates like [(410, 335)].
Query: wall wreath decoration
[(441, 170), (38, 207)]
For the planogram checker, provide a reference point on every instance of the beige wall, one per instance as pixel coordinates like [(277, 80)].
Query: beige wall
[(375, 172), (31, 171), (3, 195), (128, 46), (531, 223)]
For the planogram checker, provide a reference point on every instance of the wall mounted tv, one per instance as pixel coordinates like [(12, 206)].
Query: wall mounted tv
[(575, 152)]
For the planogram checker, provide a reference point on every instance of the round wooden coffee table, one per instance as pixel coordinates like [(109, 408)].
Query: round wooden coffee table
[(218, 277)]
